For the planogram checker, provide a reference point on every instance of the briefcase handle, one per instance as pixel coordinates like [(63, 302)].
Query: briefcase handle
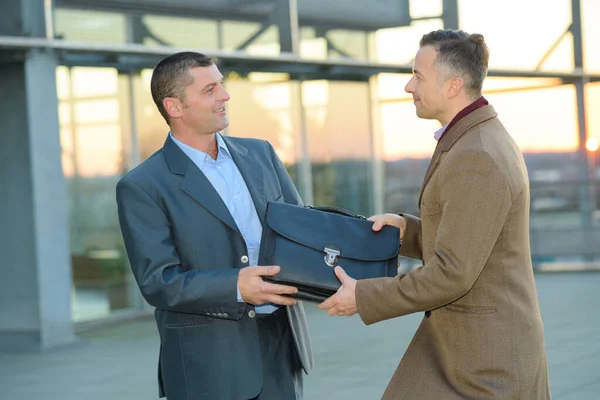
[(337, 210)]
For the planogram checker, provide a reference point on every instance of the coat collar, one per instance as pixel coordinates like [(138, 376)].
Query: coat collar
[(451, 136)]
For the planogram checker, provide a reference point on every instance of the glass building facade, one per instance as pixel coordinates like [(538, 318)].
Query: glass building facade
[(325, 86)]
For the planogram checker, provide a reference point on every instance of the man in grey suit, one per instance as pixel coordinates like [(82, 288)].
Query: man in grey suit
[(191, 217)]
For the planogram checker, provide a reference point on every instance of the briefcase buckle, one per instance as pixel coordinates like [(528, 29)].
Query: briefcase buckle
[(331, 257)]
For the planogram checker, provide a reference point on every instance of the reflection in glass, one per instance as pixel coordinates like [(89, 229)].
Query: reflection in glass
[(90, 26), (93, 158), (311, 46), (391, 87), (94, 82), (175, 31), (333, 43), (152, 129), (268, 111), (339, 139), (239, 36)]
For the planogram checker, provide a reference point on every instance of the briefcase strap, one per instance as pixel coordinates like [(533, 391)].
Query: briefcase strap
[(336, 210)]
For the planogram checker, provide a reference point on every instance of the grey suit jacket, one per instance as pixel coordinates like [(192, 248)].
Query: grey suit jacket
[(185, 251)]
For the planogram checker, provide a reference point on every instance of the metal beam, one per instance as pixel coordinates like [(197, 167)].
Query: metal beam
[(552, 48), (584, 192), (450, 14), (347, 14), (286, 17), (136, 56), (254, 36)]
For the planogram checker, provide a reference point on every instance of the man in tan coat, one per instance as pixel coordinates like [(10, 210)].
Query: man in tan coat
[(482, 334)]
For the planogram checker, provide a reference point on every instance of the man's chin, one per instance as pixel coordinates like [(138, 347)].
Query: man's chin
[(222, 124), (424, 115)]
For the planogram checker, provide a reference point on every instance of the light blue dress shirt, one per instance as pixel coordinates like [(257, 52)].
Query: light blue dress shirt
[(227, 180)]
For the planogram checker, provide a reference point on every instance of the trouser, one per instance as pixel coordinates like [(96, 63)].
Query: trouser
[(282, 371)]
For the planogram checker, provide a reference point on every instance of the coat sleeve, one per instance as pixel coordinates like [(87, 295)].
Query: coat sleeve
[(412, 243), (475, 201), (156, 265)]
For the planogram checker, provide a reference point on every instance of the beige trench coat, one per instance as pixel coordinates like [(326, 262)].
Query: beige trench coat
[(482, 335)]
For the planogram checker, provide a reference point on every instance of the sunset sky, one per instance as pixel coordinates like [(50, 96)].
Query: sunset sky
[(540, 120)]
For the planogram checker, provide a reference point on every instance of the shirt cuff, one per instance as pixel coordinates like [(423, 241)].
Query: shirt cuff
[(239, 295)]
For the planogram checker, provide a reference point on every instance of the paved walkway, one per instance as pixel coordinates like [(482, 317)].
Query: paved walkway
[(353, 361)]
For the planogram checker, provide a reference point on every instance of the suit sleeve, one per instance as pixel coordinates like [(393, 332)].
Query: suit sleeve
[(475, 201), (156, 266), (288, 189)]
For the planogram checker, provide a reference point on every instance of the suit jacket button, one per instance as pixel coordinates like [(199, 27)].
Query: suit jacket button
[(244, 259), (427, 314), (225, 315), (252, 313), (219, 314)]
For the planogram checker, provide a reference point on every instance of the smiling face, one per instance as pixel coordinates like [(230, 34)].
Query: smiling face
[(427, 86), (202, 108)]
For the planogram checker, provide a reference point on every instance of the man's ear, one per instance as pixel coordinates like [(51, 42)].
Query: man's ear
[(173, 106), (455, 86)]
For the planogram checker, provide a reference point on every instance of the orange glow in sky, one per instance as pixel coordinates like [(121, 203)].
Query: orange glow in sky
[(542, 119)]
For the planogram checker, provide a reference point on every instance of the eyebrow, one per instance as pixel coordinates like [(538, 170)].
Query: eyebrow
[(211, 85)]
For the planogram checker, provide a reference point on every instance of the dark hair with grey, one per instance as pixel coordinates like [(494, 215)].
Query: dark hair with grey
[(171, 76), (460, 54)]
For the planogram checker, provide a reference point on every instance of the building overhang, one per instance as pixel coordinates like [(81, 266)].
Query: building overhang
[(134, 57)]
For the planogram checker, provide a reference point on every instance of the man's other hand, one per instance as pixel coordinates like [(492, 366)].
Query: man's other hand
[(389, 219), (256, 291), (343, 302)]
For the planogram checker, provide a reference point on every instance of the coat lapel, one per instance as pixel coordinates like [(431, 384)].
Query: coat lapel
[(196, 185), (252, 172), (449, 138), (435, 160)]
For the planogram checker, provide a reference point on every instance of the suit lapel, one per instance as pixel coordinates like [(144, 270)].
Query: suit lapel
[(196, 185), (252, 172), (200, 189)]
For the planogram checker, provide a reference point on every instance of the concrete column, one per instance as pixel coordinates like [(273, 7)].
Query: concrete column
[(35, 306)]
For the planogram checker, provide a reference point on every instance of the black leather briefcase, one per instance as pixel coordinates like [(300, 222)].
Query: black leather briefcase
[(308, 242)]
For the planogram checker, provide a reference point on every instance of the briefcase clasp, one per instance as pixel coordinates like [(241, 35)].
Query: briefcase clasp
[(331, 257)]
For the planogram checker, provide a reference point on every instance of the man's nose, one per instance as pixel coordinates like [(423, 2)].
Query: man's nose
[(224, 95), (409, 87)]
